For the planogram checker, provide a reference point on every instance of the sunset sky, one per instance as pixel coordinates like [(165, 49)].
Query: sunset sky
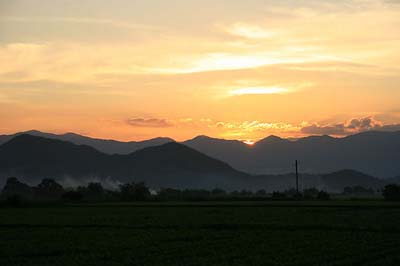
[(138, 69)]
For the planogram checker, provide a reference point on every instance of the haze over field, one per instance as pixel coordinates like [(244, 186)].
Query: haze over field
[(135, 70)]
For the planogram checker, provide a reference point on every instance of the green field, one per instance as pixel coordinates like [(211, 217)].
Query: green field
[(233, 233)]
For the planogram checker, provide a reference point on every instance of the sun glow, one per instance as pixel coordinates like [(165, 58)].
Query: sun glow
[(258, 91), (248, 142)]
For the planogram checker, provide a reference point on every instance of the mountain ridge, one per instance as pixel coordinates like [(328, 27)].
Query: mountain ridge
[(169, 165), (372, 152), (104, 145)]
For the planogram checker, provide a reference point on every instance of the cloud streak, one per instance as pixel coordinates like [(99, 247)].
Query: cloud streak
[(352, 127), (148, 122), (82, 20)]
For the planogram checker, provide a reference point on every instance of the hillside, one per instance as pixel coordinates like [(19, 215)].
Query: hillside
[(169, 165), (374, 153)]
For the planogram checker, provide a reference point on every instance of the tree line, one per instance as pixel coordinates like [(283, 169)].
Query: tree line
[(16, 192)]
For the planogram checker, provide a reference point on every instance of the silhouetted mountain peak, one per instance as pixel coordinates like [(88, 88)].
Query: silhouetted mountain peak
[(28, 142), (204, 138), (25, 138), (71, 134), (164, 139), (347, 172), (373, 134), (102, 145), (167, 146), (32, 132), (269, 140), (316, 139)]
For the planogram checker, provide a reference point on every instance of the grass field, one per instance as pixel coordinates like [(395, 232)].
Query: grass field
[(232, 233)]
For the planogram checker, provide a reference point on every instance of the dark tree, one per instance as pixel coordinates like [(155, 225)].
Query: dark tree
[(14, 187), (218, 192), (261, 193), (49, 189), (310, 193), (279, 195), (170, 194), (323, 195), (132, 191), (72, 195), (358, 191), (391, 192), (93, 191), (246, 193)]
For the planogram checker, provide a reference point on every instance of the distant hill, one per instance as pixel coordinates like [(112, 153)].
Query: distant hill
[(175, 165), (170, 164), (374, 153), (337, 180), (106, 146)]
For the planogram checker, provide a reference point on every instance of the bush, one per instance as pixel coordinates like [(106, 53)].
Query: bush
[(358, 190), (132, 191), (310, 193), (278, 195), (48, 189), (391, 192), (218, 192), (14, 187), (72, 196), (261, 193), (323, 195), (14, 201)]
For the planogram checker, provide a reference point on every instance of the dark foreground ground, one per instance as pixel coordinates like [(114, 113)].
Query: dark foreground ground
[(281, 233)]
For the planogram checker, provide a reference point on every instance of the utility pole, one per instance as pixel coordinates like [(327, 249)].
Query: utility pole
[(297, 179)]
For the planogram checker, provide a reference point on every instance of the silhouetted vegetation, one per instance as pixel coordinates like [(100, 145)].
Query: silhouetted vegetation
[(307, 194), (358, 191), (15, 201), (323, 195), (14, 187), (310, 193), (72, 196), (132, 191), (93, 191), (391, 192), (49, 190)]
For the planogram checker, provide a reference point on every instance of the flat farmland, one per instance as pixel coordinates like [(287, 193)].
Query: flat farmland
[(202, 233)]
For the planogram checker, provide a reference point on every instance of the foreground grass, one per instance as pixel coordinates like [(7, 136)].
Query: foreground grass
[(205, 233)]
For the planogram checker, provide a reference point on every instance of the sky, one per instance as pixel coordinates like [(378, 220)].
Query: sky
[(139, 69)]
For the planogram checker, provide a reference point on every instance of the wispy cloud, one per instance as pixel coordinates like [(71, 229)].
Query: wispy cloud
[(356, 125), (259, 91), (83, 20), (148, 122), (249, 31)]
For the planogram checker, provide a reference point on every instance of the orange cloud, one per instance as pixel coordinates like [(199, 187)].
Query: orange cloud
[(148, 122)]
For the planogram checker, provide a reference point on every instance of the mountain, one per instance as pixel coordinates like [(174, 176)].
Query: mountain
[(232, 151), (36, 157), (374, 153), (337, 180), (171, 164), (175, 165), (105, 146)]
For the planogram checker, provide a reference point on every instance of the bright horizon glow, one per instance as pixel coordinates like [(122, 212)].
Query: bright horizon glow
[(249, 142)]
